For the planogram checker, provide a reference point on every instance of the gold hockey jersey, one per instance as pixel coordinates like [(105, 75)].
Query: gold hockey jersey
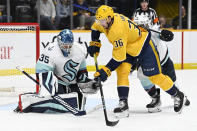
[(125, 37)]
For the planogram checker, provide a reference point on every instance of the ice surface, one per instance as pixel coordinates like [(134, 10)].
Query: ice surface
[(139, 120)]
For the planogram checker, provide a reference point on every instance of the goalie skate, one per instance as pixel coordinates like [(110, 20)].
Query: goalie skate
[(155, 104), (122, 110)]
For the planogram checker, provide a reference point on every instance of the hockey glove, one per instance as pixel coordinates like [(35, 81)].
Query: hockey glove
[(103, 73), (94, 48), (166, 35), (90, 87)]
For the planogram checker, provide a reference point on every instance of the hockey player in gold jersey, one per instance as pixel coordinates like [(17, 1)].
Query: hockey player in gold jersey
[(129, 44)]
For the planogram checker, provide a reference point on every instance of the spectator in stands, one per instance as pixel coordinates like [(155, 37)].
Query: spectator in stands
[(82, 18), (63, 14), (3, 13), (175, 21), (47, 15), (23, 10), (163, 23)]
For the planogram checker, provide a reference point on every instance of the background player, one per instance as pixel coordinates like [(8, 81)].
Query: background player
[(146, 12), (61, 69), (147, 17), (129, 43)]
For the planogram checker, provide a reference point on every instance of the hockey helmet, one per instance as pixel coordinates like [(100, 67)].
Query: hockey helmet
[(65, 40), (103, 12)]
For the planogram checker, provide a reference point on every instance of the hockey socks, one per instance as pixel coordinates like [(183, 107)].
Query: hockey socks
[(152, 91), (123, 92), (173, 90)]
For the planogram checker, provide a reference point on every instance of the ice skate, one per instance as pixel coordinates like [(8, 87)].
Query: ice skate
[(122, 110), (155, 104), (180, 100)]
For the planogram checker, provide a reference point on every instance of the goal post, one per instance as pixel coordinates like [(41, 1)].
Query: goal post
[(19, 46)]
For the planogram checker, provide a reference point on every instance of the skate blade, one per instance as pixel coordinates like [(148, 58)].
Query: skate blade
[(154, 110), (123, 114)]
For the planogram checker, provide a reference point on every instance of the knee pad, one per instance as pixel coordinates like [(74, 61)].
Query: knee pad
[(162, 80), (123, 72)]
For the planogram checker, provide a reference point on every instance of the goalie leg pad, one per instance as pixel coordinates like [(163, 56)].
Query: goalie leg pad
[(31, 102), (81, 96), (48, 84)]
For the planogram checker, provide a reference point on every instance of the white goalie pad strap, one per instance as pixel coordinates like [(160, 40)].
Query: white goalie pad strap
[(48, 84), (90, 87)]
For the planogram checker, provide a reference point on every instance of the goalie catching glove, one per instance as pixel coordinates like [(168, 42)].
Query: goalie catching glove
[(94, 48), (87, 85), (166, 35)]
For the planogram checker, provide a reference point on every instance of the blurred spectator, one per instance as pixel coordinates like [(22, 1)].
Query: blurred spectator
[(175, 21), (96, 3), (63, 14), (47, 15), (3, 11), (163, 23), (122, 6), (3, 17), (23, 10), (82, 18)]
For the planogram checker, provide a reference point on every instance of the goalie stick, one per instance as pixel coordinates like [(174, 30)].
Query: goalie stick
[(108, 123), (57, 98)]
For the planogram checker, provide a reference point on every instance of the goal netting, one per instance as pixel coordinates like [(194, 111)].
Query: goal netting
[(19, 46)]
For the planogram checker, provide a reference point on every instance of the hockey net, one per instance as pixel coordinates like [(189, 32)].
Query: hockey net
[(19, 46)]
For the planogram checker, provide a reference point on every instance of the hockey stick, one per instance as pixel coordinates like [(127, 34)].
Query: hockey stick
[(108, 123), (57, 98), (25, 73), (85, 8), (148, 29)]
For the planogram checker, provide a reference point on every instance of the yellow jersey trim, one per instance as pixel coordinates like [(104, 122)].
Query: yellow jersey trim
[(156, 55)]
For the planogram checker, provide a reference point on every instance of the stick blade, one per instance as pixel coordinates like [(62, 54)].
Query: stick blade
[(112, 123)]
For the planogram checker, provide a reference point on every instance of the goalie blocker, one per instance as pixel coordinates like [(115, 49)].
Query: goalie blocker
[(74, 95)]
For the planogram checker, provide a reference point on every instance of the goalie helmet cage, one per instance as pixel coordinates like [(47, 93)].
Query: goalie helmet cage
[(19, 46)]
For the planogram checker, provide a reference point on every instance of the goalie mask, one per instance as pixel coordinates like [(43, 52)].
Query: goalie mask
[(65, 40)]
